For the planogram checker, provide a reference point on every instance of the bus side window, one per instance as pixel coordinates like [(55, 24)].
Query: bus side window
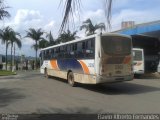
[(75, 51), (83, 45), (56, 52), (68, 51), (72, 51), (93, 43), (47, 54), (61, 53), (44, 55), (80, 50), (65, 51), (75, 46), (90, 48), (52, 53)]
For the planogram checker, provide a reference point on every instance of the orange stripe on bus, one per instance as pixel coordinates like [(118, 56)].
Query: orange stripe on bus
[(85, 68), (54, 64), (127, 60)]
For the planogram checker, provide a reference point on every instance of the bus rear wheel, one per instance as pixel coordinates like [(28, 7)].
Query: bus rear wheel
[(70, 79)]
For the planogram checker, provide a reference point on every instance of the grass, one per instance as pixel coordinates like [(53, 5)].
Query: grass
[(6, 73)]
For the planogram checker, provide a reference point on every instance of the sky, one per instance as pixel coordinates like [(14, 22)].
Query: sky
[(47, 14)]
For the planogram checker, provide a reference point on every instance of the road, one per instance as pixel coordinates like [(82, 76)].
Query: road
[(31, 92)]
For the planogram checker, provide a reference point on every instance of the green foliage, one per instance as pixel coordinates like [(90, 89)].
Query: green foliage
[(6, 73), (43, 43), (3, 12), (9, 37), (35, 35), (66, 36), (50, 39), (90, 28)]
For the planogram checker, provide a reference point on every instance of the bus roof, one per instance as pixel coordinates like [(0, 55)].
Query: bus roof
[(84, 38)]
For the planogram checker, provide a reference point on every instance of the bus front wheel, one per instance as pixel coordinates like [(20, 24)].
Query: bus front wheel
[(70, 79)]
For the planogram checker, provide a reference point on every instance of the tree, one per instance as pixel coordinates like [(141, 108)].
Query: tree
[(9, 37), (71, 6), (14, 39), (50, 39), (43, 43), (90, 28), (66, 36), (35, 35), (5, 36), (3, 12)]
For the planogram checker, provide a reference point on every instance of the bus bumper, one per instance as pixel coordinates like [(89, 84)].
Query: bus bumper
[(140, 72), (103, 79)]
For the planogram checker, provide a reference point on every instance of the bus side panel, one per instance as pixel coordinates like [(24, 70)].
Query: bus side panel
[(84, 78), (84, 70), (45, 64), (80, 78), (57, 73)]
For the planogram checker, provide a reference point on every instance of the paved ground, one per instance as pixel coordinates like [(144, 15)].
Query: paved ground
[(30, 92)]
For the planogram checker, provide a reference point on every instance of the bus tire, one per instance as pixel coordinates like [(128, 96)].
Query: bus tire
[(70, 79), (46, 73)]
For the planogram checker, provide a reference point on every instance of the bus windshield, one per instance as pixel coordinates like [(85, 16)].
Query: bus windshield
[(116, 45), (137, 55)]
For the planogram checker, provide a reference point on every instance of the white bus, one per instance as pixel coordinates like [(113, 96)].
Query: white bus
[(94, 59), (138, 61)]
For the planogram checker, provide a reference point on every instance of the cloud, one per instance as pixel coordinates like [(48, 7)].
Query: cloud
[(25, 19), (24, 15), (95, 16), (49, 26)]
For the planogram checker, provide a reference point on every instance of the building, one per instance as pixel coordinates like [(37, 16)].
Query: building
[(127, 24), (147, 37)]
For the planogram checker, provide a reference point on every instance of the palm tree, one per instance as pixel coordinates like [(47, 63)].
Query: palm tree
[(50, 39), (5, 36), (43, 43), (66, 36), (14, 39), (90, 28), (71, 6), (35, 35), (100, 26), (3, 12)]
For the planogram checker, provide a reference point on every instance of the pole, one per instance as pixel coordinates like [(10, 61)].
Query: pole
[(14, 58)]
